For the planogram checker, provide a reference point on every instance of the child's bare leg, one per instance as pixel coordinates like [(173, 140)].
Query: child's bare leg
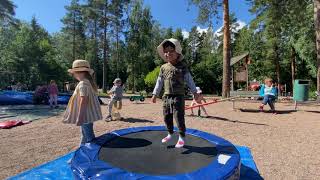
[(192, 104), (204, 110), (264, 102)]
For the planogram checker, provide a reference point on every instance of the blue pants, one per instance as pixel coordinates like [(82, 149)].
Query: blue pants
[(87, 133), (269, 99)]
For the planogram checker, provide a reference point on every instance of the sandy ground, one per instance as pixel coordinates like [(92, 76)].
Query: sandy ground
[(284, 146)]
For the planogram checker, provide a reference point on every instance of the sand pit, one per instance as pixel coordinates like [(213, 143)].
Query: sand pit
[(284, 146)]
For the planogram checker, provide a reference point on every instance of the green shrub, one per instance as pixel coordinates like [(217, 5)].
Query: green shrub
[(151, 78)]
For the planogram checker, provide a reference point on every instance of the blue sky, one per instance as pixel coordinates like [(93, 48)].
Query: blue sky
[(169, 13)]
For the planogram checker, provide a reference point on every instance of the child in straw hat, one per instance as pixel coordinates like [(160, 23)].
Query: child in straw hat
[(173, 76), (83, 107)]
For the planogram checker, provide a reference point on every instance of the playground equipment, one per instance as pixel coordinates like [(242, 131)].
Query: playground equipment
[(214, 101), (137, 98), (20, 98), (137, 153)]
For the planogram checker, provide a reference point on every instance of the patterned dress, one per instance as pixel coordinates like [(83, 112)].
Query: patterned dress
[(93, 111)]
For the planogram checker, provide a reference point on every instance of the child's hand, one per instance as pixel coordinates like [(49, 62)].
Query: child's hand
[(154, 99)]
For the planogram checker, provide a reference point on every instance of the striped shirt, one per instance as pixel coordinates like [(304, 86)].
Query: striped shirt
[(93, 111)]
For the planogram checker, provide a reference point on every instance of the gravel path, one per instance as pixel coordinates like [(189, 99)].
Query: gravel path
[(284, 146)]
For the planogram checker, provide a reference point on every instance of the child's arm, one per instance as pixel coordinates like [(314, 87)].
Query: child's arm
[(82, 110), (157, 88), (112, 90), (189, 80), (204, 100)]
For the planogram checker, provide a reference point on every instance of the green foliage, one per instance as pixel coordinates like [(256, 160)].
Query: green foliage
[(151, 78), (208, 9), (7, 11), (29, 57), (122, 36), (140, 47)]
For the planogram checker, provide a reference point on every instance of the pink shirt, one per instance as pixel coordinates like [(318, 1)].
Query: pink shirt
[(53, 89)]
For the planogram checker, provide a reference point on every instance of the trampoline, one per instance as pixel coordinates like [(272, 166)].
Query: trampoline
[(137, 153)]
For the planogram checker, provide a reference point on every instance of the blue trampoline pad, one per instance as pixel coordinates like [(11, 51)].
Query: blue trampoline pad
[(60, 169)]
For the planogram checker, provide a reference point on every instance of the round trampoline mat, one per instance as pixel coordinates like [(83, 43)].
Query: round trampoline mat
[(143, 153)]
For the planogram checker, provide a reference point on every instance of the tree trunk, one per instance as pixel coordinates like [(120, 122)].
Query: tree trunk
[(293, 65), (277, 63), (226, 50), (317, 28), (117, 44), (74, 37), (95, 50), (104, 85)]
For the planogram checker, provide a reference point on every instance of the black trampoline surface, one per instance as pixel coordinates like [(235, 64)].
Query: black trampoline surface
[(143, 152)]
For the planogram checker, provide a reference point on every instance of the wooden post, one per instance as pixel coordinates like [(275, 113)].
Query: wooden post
[(247, 76), (232, 76), (233, 104)]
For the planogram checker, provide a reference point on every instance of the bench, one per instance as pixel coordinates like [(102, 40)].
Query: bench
[(243, 95)]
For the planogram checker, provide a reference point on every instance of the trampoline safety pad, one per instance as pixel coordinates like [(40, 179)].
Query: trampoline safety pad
[(137, 153)]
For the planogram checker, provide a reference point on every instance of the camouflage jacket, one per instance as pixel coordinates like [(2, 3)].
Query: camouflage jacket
[(173, 78)]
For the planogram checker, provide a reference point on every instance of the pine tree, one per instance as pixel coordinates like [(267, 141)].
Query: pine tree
[(140, 50), (317, 28), (75, 30), (7, 11), (207, 10)]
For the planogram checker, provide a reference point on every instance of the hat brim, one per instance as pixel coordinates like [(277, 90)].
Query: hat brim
[(73, 70)]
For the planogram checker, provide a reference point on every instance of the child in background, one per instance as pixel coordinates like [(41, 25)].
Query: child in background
[(194, 102), (40, 95), (270, 93), (173, 76), (53, 94), (116, 96), (83, 108)]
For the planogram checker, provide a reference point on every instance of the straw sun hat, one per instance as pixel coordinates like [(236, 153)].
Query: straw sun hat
[(80, 65), (177, 44)]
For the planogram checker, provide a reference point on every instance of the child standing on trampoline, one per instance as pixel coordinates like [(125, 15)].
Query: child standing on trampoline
[(83, 108), (173, 76), (116, 96), (270, 93)]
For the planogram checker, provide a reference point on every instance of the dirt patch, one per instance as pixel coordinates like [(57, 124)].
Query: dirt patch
[(284, 146)]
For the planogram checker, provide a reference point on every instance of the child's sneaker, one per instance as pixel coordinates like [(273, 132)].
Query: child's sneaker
[(108, 118), (180, 143), (166, 139), (261, 108)]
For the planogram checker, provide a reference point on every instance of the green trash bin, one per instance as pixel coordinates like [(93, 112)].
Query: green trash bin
[(301, 90)]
